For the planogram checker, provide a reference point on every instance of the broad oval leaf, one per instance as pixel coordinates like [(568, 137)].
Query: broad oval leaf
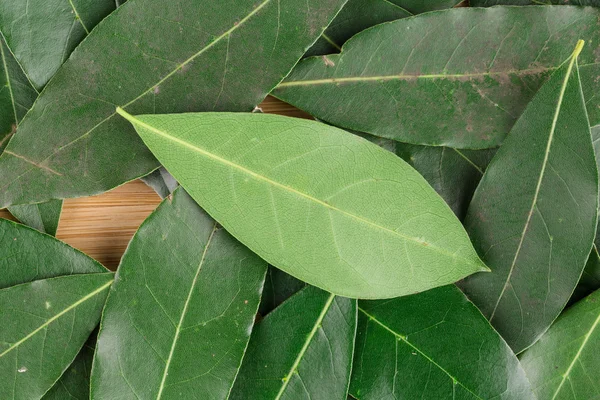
[(301, 350), (432, 345), (353, 19), (458, 78), (151, 56), (533, 216), (179, 317), (564, 363), (43, 325), (325, 206)]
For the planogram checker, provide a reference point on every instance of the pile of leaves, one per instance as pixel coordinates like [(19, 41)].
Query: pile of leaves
[(428, 235)]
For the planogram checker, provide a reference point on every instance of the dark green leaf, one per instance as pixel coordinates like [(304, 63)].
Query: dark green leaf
[(564, 363), (487, 3), (590, 279), (279, 287), (533, 216), (75, 382), (42, 33), (458, 78), (161, 181), (179, 317), (151, 56), (421, 6), (43, 325), (357, 15), (302, 350), (43, 216), (432, 345), (323, 205)]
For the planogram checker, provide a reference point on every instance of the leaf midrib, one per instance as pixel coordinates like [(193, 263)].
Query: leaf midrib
[(559, 103), (8, 83), (403, 338), (257, 176), (58, 315), (184, 313), (307, 342)]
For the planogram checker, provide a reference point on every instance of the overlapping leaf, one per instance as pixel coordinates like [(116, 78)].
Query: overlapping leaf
[(302, 350), (279, 287), (433, 345), (421, 6), (459, 77), (151, 56), (487, 3), (42, 216), (179, 317), (564, 363), (325, 206), (533, 216)]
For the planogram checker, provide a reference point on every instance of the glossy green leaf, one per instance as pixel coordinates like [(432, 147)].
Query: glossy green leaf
[(279, 287), (161, 181), (302, 350), (453, 173), (43, 325), (151, 56), (357, 15), (533, 216), (421, 6), (179, 317), (432, 345), (458, 78), (323, 205), (42, 33), (74, 384), (487, 3), (43, 216), (564, 363)]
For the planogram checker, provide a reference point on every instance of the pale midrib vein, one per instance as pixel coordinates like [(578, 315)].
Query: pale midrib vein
[(10, 91), (180, 66), (583, 344), (307, 342), (57, 316), (78, 17), (330, 41), (403, 338), (467, 159), (183, 314), (541, 176), (136, 121)]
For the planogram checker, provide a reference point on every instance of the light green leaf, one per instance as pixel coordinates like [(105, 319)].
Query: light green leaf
[(458, 78), (302, 350), (323, 205), (179, 317), (533, 216), (151, 56), (564, 363)]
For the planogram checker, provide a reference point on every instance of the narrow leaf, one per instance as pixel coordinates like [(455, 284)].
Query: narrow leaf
[(432, 345), (564, 363), (470, 71), (42, 33), (533, 216), (302, 350), (151, 56), (357, 15), (323, 205), (43, 325), (179, 318)]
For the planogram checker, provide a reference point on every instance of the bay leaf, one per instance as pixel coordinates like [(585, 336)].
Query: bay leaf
[(319, 203), (179, 317), (533, 216), (161, 181), (421, 6), (279, 287), (432, 345), (74, 384), (355, 16), (42, 216), (563, 364), (42, 33), (458, 78), (301, 350), (151, 56), (43, 325), (487, 3)]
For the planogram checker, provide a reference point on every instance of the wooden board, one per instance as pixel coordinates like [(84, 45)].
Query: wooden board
[(101, 226)]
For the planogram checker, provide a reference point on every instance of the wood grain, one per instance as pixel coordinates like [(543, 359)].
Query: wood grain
[(101, 226)]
